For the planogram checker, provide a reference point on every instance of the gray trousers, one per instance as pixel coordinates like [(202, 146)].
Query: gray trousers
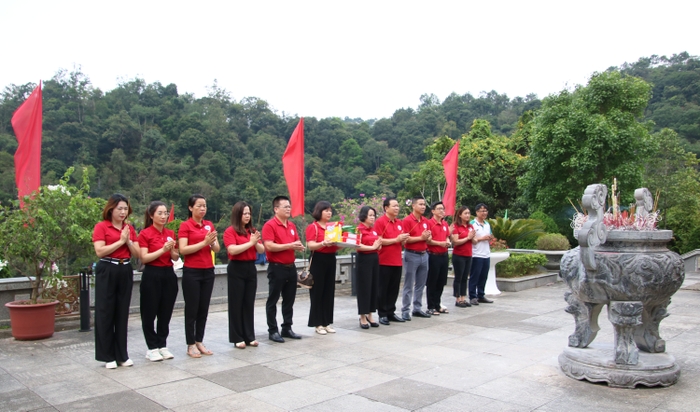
[(416, 273)]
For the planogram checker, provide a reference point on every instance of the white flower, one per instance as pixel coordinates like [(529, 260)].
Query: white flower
[(58, 187)]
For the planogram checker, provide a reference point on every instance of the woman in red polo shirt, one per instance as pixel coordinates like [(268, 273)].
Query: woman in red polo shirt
[(322, 294), (158, 281), (462, 235), (242, 243), (197, 239), (113, 239), (367, 267)]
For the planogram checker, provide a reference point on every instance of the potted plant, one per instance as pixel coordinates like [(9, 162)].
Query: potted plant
[(553, 246), (49, 235)]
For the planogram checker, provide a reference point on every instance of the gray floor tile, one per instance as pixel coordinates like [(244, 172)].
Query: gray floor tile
[(350, 378), (295, 394), (239, 402), (397, 365), (123, 401), (21, 400), (470, 402), (184, 392), (407, 394), (248, 378), (304, 365), (73, 387), (9, 384), (351, 403)]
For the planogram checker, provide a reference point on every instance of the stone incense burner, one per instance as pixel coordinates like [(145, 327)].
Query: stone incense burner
[(635, 275)]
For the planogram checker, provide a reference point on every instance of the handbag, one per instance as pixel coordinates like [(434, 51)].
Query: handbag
[(304, 278)]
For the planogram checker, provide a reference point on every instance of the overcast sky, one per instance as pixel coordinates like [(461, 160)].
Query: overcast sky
[(340, 58)]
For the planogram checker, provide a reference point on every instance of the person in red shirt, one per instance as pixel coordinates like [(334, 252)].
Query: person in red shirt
[(197, 239), (242, 243), (322, 295), (415, 260), (281, 240), (367, 267), (438, 259), (113, 239), (158, 281), (462, 237), (390, 231)]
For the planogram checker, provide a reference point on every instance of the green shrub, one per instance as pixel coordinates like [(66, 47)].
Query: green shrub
[(520, 264), (529, 243), (514, 230), (553, 241), (550, 226)]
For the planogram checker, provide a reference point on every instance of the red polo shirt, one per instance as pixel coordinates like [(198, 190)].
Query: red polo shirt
[(389, 255), (440, 232), (415, 228), (368, 235), (195, 233), (276, 232), (317, 233), (463, 232), (104, 230), (231, 237), (152, 239)]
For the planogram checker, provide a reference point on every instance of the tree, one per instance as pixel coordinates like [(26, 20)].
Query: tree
[(588, 136)]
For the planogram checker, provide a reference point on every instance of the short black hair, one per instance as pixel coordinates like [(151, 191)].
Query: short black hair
[(364, 213), (319, 208), (387, 202), (479, 206), (436, 204), (276, 201)]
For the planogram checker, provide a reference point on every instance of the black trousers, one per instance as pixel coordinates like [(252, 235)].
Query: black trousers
[(113, 285), (462, 265), (437, 278), (389, 281), (197, 285), (367, 282), (322, 294), (242, 286), (282, 280), (158, 294)]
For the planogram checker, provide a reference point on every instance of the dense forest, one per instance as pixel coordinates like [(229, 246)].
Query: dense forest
[(152, 141)]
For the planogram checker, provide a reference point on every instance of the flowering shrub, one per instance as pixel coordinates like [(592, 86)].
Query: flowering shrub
[(348, 210), (53, 230), (498, 244)]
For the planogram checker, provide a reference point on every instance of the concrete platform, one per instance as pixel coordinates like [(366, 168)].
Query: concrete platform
[(491, 357)]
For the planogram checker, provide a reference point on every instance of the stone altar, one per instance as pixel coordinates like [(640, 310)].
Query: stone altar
[(635, 275)]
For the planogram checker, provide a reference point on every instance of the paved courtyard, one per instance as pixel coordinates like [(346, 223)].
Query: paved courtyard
[(498, 357)]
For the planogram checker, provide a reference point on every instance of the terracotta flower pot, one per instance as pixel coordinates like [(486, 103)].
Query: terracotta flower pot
[(31, 322)]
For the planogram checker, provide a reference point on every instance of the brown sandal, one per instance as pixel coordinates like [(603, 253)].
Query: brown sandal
[(193, 352), (203, 349)]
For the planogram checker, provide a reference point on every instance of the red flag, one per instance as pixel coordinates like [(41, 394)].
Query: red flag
[(171, 216), (293, 165), (450, 164), (26, 122)]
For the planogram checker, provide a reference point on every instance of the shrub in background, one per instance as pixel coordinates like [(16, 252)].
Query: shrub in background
[(520, 264), (553, 241)]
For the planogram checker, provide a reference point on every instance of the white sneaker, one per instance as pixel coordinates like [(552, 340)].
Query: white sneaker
[(154, 355), (165, 353), (321, 330), (329, 329), (127, 362), (111, 365)]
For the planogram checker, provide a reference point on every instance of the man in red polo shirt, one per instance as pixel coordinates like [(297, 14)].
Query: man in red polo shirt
[(390, 232), (415, 260), (438, 259), (281, 239)]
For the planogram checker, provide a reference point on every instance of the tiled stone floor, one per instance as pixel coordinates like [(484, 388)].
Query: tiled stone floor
[(499, 357)]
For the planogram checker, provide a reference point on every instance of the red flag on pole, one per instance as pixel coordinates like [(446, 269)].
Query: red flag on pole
[(450, 164), (293, 165), (26, 122), (171, 216)]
